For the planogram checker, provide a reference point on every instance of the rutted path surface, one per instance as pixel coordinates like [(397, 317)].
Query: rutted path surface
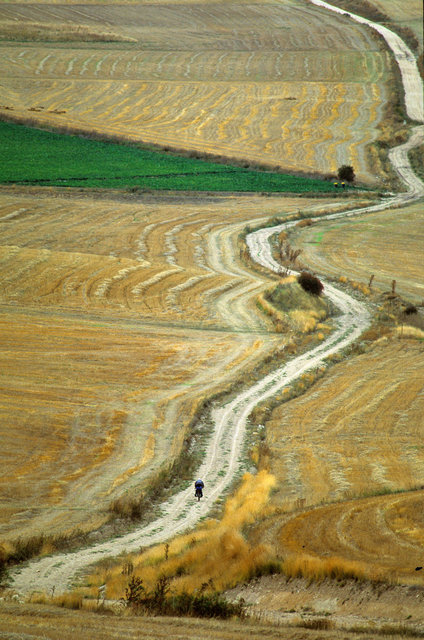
[(222, 458)]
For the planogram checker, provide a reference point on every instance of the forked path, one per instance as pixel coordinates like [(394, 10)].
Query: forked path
[(223, 454)]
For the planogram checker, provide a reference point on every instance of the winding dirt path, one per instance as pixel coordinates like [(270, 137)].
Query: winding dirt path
[(411, 79), (222, 458)]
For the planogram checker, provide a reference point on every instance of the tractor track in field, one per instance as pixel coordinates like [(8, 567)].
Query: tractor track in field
[(223, 452)]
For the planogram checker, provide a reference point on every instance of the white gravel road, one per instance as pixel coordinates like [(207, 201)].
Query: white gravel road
[(223, 456)]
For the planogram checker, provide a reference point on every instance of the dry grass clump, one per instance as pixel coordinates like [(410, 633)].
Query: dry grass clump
[(318, 569), (217, 552), (25, 548), (291, 307), (69, 601), (278, 319), (409, 332), (358, 286)]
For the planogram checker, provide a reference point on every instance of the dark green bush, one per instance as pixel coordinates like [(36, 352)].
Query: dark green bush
[(310, 283), (346, 172)]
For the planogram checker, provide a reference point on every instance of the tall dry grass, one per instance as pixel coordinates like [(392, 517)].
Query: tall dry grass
[(290, 307), (318, 569), (217, 553)]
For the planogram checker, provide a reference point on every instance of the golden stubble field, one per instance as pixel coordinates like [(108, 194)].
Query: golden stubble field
[(348, 454), (48, 623), (409, 14), (118, 318), (287, 83), (387, 245), (349, 460)]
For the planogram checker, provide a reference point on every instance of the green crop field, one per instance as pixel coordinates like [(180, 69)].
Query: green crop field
[(33, 156)]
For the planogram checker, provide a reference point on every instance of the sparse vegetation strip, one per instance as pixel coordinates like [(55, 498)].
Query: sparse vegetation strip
[(53, 32), (416, 157), (206, 603)]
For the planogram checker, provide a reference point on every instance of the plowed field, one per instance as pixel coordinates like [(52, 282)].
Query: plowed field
[(117, 319), (283, 83)]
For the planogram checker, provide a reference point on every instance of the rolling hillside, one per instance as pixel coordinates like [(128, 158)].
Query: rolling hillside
[(284, 84), (124, 313), (119, 318)]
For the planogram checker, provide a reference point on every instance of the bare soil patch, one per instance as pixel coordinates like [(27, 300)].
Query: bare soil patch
[(343, 605)]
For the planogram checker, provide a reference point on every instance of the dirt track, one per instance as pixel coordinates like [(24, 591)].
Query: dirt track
[(223, 452)]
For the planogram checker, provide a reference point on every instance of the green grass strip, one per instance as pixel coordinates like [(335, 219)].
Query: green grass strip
[(37, 157)]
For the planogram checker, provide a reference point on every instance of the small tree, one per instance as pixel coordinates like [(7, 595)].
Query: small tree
[(134, 592), (288, 256), (346, 172)]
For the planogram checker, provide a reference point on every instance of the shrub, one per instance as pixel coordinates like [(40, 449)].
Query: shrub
[(159, 601), (310, 283), (346, 172), (410, 310), (306, 222), (26, 548), (134, 592)]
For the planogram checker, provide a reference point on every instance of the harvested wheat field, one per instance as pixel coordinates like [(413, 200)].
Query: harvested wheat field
[(348, 454), (48, 623), (286, 84), (123, 314), (349, 461), (388, 245), (405, 14), (118, 318)]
